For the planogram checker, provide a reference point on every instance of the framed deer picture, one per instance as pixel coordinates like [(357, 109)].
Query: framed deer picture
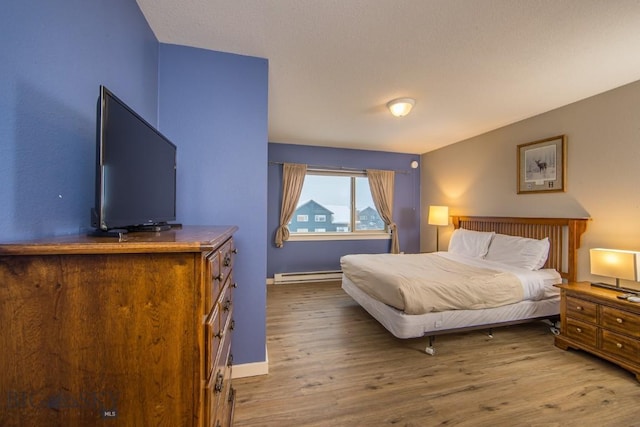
[(542, 165)]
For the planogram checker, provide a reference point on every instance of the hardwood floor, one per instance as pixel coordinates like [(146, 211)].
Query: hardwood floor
[(332, 364)]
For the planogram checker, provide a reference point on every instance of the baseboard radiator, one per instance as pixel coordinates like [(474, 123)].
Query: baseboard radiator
[(309, 276)]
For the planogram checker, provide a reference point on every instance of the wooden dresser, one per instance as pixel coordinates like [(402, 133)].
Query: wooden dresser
[(118, 332), (593, 319)]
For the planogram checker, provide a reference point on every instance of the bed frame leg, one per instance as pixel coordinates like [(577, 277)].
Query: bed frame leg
[(430, 350), (554, 324)]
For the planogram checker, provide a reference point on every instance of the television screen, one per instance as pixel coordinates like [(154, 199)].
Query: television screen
[(135, 170)]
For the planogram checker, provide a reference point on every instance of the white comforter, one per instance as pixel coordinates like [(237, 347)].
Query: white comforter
[(422, 283)]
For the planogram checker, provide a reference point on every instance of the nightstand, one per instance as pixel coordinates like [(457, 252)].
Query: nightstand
[(594, 320)]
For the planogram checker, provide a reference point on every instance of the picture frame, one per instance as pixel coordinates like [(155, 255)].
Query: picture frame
[(542, 165)]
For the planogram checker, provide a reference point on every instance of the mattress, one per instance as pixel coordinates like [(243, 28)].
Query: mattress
[(403, 325), (434, 282)]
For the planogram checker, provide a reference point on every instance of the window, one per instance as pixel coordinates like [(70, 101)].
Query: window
[(340, 203)]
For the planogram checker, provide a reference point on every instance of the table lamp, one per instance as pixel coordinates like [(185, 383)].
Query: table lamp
[(619, 264)]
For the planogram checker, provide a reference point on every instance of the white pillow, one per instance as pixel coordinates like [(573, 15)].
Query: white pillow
[(519, 251), (470, 243)]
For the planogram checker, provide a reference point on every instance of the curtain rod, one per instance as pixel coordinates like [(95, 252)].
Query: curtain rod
[(336, 168)]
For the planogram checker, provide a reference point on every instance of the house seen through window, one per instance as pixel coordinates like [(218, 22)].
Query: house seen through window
[(336, 202)]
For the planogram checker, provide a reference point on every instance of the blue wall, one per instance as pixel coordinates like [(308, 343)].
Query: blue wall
[(325, 255), (53, 57), (214, 106)]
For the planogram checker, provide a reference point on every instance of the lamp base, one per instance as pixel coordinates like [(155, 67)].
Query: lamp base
[(614, 287)]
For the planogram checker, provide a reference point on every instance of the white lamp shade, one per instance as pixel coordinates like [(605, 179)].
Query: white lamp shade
[(401, 107), (615, 263), (438, 215)]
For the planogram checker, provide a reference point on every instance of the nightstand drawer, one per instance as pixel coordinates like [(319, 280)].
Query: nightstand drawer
[(621, 346), (581, 309), (581, 332), (620, 321)]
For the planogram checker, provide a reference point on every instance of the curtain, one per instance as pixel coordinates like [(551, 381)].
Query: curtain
[(381, 184), (292, 180)]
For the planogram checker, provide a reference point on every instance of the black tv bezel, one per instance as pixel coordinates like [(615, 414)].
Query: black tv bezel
[(98, 220)]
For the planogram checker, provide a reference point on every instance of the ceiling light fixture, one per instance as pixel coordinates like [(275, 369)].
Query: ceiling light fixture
[(400, 107)]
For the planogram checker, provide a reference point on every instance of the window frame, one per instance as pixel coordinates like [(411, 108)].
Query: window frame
[(343, 235)]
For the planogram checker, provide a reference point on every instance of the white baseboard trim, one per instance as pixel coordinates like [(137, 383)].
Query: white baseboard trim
[(253, 369)]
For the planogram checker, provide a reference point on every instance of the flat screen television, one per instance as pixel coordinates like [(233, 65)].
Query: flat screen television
[(135, 171)]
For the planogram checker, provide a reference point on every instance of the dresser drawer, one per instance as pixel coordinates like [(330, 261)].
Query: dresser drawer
[(227, 257), (226, 303), (212, 340), (226, 399), (214, 397), (620, 321), (580, 309), (581, 332), (621, 346), (231, 403), (222, 388), (213, 282)]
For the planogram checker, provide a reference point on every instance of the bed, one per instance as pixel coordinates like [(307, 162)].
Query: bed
[(406, 318)]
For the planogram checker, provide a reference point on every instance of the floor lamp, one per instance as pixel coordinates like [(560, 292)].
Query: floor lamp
[(438, 216)]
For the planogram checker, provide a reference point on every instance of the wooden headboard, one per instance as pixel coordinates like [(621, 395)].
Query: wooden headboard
[(563, 233)]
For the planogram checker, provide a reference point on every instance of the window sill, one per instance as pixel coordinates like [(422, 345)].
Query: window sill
[(338, 236)]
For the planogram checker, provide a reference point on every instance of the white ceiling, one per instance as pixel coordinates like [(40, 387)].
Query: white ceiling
[(472, 65)]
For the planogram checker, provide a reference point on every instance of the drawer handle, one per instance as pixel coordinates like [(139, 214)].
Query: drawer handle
[(579, 330), (219, 381), (619, 345), (219, 334), (230, 360), (233, 324), (227, 305), (619, 320), (579, 308), (227, 260), (234, 285), (219, 277), (235, 250)]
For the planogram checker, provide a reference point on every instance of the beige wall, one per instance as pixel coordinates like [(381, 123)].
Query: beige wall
[(478, 176)]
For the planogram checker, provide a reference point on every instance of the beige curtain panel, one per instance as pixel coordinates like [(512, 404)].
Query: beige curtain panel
[(381, 184), (292, 180)]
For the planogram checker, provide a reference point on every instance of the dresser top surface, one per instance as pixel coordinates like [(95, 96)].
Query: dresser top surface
[(184, 239), (585, 289)]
